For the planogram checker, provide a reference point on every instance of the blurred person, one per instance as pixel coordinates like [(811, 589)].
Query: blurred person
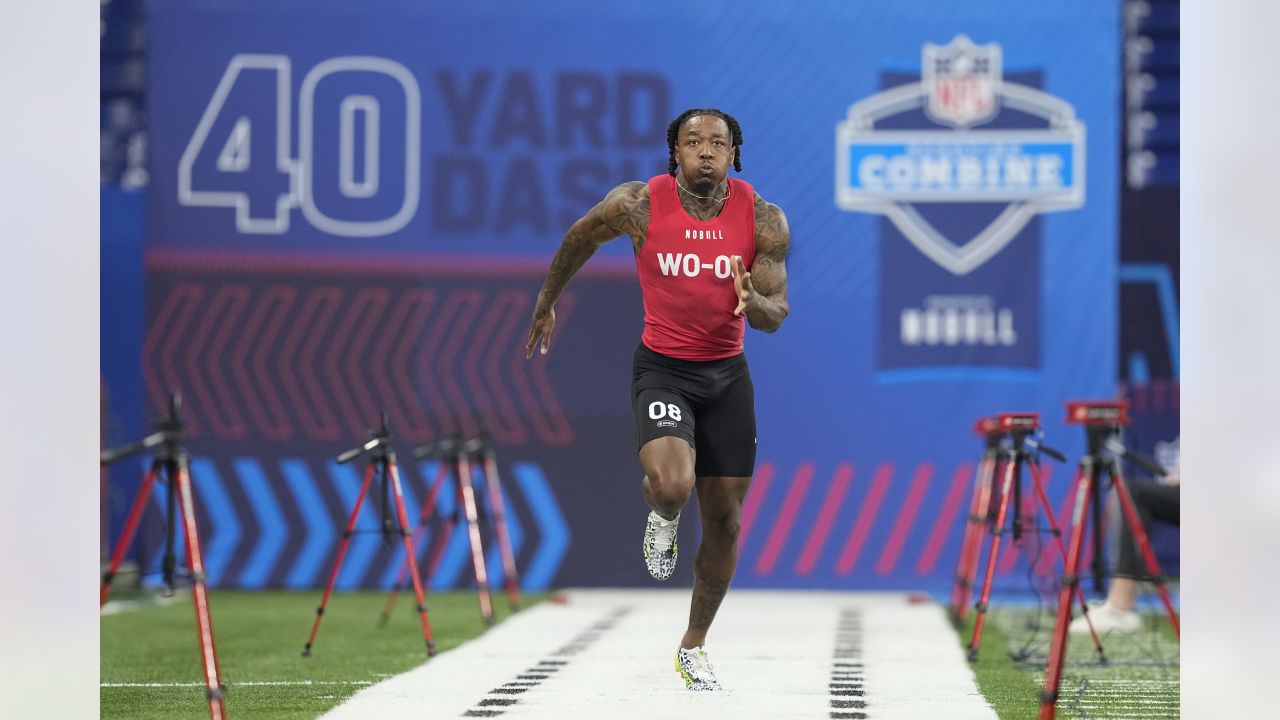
[(710, 252), (1160, 500)]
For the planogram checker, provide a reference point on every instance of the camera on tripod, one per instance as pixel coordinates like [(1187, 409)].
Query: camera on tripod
[(1018, 421), (1023, 430), (1098, 413)]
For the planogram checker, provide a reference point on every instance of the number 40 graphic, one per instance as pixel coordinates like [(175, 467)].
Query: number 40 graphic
[(240, 155)]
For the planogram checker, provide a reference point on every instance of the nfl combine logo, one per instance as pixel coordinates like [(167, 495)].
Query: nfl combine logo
[(891, 164), (961, 80)]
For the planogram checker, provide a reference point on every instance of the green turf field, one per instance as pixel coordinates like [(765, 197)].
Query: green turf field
[(260, 636), (1140, 680)]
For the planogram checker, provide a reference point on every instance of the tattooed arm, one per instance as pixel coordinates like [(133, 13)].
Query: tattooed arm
[(624, 211), (762, 293)]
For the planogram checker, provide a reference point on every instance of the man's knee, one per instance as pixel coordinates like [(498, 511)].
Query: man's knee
[(670, 488), (722, 525)]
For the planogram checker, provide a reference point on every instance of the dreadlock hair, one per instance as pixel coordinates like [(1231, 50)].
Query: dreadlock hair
[(735, 135)]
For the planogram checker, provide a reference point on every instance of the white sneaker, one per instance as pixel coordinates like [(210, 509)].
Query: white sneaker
[(695, 667), (660, 545), (1107, 618)]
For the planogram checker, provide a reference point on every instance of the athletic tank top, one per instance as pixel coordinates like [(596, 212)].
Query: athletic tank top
[(685, 273)]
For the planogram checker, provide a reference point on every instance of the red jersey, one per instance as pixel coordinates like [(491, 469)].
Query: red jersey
[(685, 273)]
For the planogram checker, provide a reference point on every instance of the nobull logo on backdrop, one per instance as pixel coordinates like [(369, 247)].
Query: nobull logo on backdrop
[(960, 159)]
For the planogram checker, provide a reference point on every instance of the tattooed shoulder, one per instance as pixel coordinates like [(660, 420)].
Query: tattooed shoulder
[(626, 208), (772, 234)]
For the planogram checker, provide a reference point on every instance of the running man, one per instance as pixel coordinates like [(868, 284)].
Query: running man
[(709, 253)]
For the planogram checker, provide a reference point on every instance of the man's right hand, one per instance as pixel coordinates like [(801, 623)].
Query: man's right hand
[(544, 321)]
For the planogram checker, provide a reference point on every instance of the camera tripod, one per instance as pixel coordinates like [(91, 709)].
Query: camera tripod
[(382, 463), (979, 517), (1017, 448), (457, 458), (171, 464), (1103, 421)]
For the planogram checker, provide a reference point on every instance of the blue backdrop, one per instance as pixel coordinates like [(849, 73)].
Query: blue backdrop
[(352, 206)]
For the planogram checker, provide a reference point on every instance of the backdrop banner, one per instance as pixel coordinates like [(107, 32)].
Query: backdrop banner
[(353, 205)]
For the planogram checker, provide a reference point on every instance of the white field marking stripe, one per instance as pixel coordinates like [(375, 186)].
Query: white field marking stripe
[(1127, 684), (1109, 691), (1111, 701), (1099, 703), (1140, 689), (1132, 680), (237, 684), (1104, 707), (1110, 714), (1129, 698), (1147, 690), (772, 651)]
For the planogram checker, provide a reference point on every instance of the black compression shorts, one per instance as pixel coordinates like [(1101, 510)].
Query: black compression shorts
[(710, 404)]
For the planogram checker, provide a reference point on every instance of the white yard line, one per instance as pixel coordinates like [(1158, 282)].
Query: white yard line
[(610, 653)]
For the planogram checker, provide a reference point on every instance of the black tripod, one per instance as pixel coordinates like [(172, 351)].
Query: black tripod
[(171, 464), (382, 462)]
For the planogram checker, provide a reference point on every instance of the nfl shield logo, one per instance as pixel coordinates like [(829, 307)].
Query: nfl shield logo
[(963, 152), (962, 81)]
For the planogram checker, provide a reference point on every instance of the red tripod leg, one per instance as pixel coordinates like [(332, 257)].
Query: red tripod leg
[(1057, 538), (126, 533), (984, 512), (410, 557), (971, 546), (499, 514), (1069, 584), (1010, 469), (214, 690), (467, 497), (1144, 544), (337, 562), (419, 535)]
